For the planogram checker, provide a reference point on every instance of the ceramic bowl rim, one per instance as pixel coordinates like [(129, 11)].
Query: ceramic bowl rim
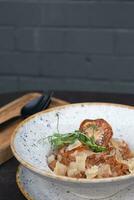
[(64, 178)]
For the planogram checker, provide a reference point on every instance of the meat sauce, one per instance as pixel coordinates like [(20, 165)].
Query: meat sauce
[(110, 163)]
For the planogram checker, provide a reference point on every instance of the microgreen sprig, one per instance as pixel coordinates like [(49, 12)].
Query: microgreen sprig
[(58, 140)]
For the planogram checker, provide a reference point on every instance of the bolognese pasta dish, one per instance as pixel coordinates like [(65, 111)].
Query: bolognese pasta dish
[(90, 152)]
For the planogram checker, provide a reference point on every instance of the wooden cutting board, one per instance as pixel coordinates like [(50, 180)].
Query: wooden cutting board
[(13, 109)]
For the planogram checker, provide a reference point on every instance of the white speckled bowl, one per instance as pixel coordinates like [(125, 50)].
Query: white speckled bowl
[(27, 183), (32, 153)]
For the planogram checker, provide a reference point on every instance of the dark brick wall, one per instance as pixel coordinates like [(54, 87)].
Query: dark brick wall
[(67, 45)]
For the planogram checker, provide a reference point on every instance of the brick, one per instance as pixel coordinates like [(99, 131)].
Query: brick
[(68, 40), (125, 42), (7, 40), (40, 39), (69, 13), (25, 39), (75, 85), (65, 65), (91, 41), (89, 14), (54, 84), (20, 13), (8, 84), (86, 66), (51, 40), (65, 14), (112, 68), (116, 14), (19, 64)]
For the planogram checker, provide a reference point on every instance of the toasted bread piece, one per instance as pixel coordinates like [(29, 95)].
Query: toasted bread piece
[(99, 128)]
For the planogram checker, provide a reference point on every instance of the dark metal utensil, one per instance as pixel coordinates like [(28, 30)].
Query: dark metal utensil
[(36, 105)]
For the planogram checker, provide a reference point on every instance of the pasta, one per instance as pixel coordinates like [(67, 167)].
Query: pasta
[(90, 152)]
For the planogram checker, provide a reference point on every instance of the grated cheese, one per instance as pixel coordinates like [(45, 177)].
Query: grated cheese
[(92, 172), (76, 144), (60, 169)]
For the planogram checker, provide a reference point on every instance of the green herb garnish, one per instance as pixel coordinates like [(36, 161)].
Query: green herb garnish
[(58, 140), (90, 142)]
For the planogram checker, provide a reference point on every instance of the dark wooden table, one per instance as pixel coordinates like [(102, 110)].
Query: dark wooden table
[(8, 188)]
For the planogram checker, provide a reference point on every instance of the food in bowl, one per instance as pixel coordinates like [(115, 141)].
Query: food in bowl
[(33, 154), (90, 152)]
